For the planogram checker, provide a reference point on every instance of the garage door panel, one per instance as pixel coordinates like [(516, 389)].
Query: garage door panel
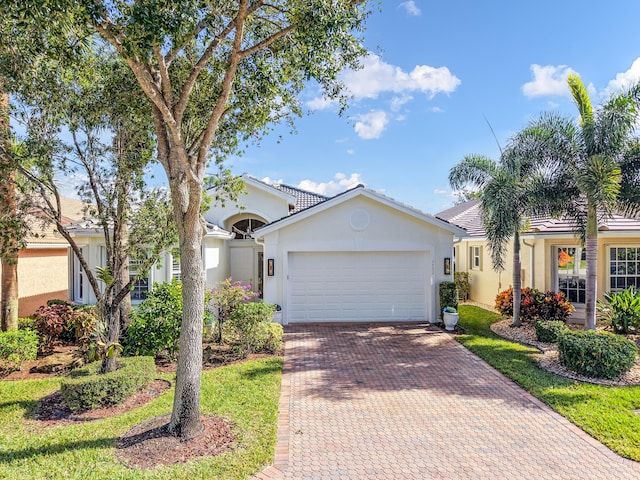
[(357, 286)]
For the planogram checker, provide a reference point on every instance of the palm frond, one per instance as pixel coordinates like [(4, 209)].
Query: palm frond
[(476, 170), (581, 99)]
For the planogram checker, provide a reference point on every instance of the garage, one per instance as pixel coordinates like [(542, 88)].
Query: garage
[(378, 286)]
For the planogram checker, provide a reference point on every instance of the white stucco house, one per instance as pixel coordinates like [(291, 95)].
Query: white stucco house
[(357, 256)]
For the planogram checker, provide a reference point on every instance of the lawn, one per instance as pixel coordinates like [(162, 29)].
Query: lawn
[(246, 394), (606, 413)]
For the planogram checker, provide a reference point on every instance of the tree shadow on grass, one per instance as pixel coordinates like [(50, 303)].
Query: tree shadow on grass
[(56, 449)]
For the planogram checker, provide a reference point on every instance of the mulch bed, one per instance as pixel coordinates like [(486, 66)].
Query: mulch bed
[(52, 409), (150, 444)]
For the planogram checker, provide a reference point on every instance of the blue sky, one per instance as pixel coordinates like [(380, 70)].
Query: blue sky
[(436, 70)]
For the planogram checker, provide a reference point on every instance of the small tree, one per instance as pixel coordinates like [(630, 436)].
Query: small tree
[(225, 298)]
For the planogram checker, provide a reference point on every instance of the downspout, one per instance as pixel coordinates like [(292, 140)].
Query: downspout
[(531, 262)]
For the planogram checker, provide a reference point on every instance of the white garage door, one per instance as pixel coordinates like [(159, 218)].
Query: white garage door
[(357, 286)]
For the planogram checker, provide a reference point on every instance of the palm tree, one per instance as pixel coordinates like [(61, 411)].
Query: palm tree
[(590, 156), (511, 191)]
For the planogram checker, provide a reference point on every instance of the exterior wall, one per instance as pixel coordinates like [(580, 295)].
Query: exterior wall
[(216, 261), (42, 276), (268, 205), (333, 230), (537, 265)]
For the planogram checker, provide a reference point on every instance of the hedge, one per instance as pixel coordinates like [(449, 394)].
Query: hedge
[(85, 388), (597, 354)]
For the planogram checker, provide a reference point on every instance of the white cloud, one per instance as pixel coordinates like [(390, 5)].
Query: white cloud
[(340, 183), (351, 151), (377, 76), (399, 101), (411, 8), (436, 110), (625, 79), (270, 181), (548, 80), (320, 103), (438, 191), (371, 125)]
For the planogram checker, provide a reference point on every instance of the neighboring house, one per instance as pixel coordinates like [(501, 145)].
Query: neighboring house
[(43, 266), (358, 256), (551, 257)]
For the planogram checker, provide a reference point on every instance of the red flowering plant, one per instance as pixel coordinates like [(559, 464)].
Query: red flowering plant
[(535, 305), (50, 322)]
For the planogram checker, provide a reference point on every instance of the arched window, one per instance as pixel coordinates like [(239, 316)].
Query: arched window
[(244, 228)]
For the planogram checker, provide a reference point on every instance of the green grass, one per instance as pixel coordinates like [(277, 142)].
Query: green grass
[(246, 394), (606, 413)]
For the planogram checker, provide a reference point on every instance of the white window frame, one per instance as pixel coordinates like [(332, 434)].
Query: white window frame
[(619, 268), (476, 257), (578, 278), (137, 287)]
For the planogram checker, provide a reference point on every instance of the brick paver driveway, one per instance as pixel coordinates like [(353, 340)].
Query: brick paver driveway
[(408, 402)]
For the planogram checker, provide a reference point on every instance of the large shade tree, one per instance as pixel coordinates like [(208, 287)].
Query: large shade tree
[(215, 74), (597, 161), (510, 191)]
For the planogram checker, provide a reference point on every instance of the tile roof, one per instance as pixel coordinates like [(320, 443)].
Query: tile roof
[(46, 232), (304, 198), (465, 215), (468, 216)]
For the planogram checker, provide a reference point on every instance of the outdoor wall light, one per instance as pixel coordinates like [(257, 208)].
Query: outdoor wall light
[(270, 267)]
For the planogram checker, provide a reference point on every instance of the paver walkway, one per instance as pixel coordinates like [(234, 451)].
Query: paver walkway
[(408, 402)]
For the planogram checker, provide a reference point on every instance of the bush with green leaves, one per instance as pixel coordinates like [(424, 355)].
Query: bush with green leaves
[(155, 324), (248, 328), (621, 310), (461, 279), (597, 354), (27, 323), (85, 388), (550, 330), (16, 347), (224, 298), (448, 295)]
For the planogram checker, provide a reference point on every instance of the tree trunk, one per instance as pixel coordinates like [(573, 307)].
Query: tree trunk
[(9, 293), (517, 280), (8, 205), (112, 316), (592, 264), (185, 417)]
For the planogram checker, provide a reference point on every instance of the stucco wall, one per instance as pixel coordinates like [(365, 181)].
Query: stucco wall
[(339, 228)]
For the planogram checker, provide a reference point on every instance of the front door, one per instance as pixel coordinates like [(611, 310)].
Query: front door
[(246, 265)]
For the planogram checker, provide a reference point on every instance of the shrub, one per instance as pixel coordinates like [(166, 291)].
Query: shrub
[(225, 298), (269, 337), (597, 354), (535, 305), (17, 346), (85, 388), (27, 323), (51, 321), (461, 279), (155, 324), (621, 310), (247, 329), (448, 295), (550, 330)]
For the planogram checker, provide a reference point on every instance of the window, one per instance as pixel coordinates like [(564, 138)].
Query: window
[(244, 228), (140, 288), (176, 273), (571, 268), (475, 257), (624, 268)]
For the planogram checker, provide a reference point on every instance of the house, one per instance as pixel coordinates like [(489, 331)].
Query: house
[(43, 272), (357, 256), (551, 256)]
